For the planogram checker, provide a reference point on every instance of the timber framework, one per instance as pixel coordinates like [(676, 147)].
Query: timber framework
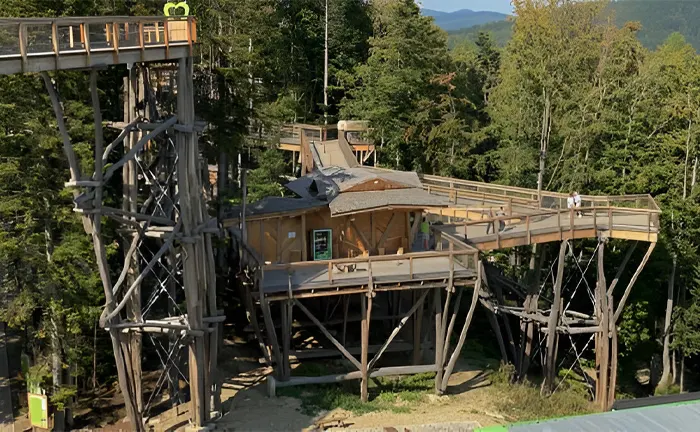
[(165, 293), (351, 247)]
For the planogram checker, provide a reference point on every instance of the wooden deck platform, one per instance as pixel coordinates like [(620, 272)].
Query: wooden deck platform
[(377, 273), (46, 44)]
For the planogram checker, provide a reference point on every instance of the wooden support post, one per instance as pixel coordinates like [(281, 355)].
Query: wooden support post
[(451, 325), (94, 227), (346, 307), (554, 319), (623, 300), (272, 335), (496, 289), (278, 241), (328, 335), (366, 306), (439, 341), (397, 329), (622, 267), (304, 241), (613, 356), (417, 323), (130, 204), (373, 234), (285, 311), (463, 335), (604, 338)]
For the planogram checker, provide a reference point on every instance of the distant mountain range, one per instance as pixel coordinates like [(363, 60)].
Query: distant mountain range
[(659, 19), (462, 19)]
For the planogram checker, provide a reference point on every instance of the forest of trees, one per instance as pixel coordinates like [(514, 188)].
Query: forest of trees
[(580, 93)]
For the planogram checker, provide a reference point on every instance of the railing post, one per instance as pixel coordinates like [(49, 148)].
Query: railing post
[(166, 37), (649, 227), (23, 45), (54, 41), (142, 45), (610, 220), (571, 223), (527, 229), (410, 268), (595, 222), (85, 28)]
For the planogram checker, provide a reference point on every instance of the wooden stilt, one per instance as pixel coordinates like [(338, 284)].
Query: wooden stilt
[(346, 308), (613, 356), (604, 339), (499, 337), (417, 333), (366, 306), (621, 304), (286, 339), (527, 328), (506, 321), (451, 326), (439, 341), (463, 335), (554, 319), (272, 337)]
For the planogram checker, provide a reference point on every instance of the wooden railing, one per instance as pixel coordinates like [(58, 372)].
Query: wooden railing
[(467, 258), (27, 38), (566, 221), (511, 195)]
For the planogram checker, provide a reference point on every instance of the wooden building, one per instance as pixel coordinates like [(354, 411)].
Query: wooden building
[(344, 250)]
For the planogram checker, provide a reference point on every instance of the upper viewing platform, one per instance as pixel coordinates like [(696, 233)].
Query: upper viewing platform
[(47, 44)]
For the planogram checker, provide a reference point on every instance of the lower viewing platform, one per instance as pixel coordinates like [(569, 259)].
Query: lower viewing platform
[(419, 270)]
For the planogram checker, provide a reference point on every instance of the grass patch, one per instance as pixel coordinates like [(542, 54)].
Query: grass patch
[(394, 394), (523, 402)]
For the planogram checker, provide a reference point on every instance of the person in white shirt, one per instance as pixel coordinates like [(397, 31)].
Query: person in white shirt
[(570, 201), (577, 204)]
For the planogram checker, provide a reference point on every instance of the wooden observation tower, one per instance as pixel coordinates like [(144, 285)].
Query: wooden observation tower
[(163, 222)]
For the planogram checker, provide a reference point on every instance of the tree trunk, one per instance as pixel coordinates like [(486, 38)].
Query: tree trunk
[(544, 141), (666, 374), (687, 157)]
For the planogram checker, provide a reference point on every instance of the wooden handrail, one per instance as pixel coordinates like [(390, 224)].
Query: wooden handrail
[(371, 259), (110, 24), (648, 200)]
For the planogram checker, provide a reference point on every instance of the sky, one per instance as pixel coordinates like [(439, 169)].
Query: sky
[(502, 6)]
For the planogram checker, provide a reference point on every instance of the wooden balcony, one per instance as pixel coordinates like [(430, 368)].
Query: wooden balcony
[(368, 274), (46, 44)]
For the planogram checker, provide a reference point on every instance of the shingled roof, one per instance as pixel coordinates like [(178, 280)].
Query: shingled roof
[(354, 202)]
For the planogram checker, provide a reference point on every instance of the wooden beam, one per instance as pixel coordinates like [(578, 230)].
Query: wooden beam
[(439, 341), (361, 235), (385, 234), (554, 321), (304, 241), (632, 281), (451, 325), (373, 233), (328, 335), (396, 330), (366, 306), (604, 337), (463, 335), (622, 267)]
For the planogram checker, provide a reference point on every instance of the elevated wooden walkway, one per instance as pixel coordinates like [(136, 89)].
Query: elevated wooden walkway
[(529, 219), (44, 44)]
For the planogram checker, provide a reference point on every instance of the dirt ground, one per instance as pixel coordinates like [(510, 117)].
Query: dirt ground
[(248, 408)]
